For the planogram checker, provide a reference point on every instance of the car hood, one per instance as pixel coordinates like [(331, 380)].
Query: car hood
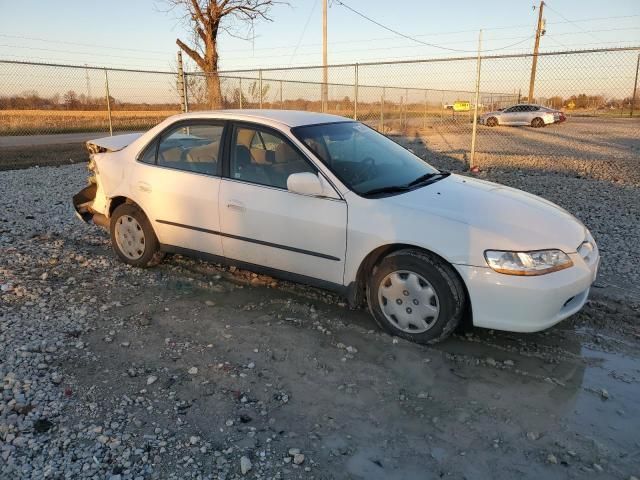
[(496, 216)]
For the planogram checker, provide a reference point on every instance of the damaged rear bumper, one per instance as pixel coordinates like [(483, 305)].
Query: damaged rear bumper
[(82, 204)]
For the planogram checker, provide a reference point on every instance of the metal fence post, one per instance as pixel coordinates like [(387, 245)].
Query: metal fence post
[(185, 92), (260, 86), (382, 111), (240, 99), (281, 104), (355, 93), (475, 109), (106, 86), (424, 123), (635, 88)]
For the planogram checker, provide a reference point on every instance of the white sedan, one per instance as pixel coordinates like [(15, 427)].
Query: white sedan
[(522, 114), (328, 201)]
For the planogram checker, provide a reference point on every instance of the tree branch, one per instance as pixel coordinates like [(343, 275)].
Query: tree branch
[(195, 56)]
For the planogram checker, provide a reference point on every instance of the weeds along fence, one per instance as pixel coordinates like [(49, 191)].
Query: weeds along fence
[(431, 99)]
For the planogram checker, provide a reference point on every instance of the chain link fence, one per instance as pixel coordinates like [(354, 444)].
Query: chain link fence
[(428, 103)]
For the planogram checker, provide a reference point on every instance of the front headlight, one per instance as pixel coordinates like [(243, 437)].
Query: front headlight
[(537, 262)]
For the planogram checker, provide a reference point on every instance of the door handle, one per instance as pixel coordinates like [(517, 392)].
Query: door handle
[(235, 205), (144, 187)]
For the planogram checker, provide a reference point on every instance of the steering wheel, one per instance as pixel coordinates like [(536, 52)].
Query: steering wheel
[(367, 165)]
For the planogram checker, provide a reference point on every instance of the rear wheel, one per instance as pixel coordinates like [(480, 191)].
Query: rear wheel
[(537, 122), (133, 238), (492, 122), (416, 295)]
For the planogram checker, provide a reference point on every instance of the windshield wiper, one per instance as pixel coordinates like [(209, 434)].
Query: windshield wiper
[(407, 187), (427, 176), (391, 189)]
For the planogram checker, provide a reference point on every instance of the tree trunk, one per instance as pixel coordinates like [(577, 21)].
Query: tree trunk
[(213, 89)]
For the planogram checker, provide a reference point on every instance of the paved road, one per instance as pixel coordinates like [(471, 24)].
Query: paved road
[(55, 139)]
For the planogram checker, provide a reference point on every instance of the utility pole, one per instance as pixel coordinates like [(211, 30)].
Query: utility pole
[(325, 92), (534, 63), (182, 85)]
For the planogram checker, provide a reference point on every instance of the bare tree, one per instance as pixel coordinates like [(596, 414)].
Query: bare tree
[(208, 18)]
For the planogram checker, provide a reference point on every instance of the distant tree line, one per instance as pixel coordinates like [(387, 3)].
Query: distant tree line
[(71, 100), (198, 98)]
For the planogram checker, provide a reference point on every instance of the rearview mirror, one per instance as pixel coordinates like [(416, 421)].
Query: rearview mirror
[(306, 183)]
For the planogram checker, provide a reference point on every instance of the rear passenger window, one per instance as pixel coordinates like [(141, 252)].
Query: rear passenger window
[(258, 156), (192, 148), (149, 155)]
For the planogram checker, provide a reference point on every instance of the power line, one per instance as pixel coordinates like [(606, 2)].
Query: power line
[(73, 52), (240, 50), (572, 23), (339, 2), (39, 39), (304, 30)]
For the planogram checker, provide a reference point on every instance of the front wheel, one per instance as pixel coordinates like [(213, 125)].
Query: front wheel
[(133, 238), (492, 122), (417, 296)]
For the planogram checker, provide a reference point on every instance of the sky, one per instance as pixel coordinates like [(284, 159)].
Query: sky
[(141, 34)]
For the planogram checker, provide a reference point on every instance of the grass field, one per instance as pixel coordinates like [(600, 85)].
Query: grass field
[(39, 122)]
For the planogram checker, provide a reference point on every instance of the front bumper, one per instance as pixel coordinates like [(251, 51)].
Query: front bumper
[(528, 304)]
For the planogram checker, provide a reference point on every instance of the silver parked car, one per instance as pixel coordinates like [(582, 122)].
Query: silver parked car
[(523, 114)]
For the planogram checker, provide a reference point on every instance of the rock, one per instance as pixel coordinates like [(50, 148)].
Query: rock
[(193, 371), (298, 458), (533, 436), (151, 380), (604, 394), (551, 458), (293, 452), (245, 465)]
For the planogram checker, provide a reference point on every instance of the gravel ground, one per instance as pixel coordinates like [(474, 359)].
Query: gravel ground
[(190, 370)]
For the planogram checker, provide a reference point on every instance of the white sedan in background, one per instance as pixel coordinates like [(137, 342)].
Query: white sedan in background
[(328, 201), (523, 114)]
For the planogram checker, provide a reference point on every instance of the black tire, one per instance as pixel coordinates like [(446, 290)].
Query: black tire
[(149, 249), (492, 122), (450, 293), (537, 122)]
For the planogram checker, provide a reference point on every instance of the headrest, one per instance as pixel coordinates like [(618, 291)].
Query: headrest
[(285, 154)]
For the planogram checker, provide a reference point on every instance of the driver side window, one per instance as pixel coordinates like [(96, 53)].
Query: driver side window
[(266, 158)]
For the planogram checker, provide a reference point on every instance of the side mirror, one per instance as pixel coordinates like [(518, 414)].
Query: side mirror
[(306, 183)]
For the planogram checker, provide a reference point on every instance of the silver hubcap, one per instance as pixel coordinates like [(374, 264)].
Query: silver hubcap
[(130, 237), (408, 301)]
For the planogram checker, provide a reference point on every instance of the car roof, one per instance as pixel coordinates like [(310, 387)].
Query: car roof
[(290, 118)]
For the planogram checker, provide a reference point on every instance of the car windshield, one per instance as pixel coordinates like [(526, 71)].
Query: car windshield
[(363, 159)]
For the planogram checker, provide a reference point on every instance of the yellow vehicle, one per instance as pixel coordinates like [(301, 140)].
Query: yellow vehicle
[(460, 106)]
